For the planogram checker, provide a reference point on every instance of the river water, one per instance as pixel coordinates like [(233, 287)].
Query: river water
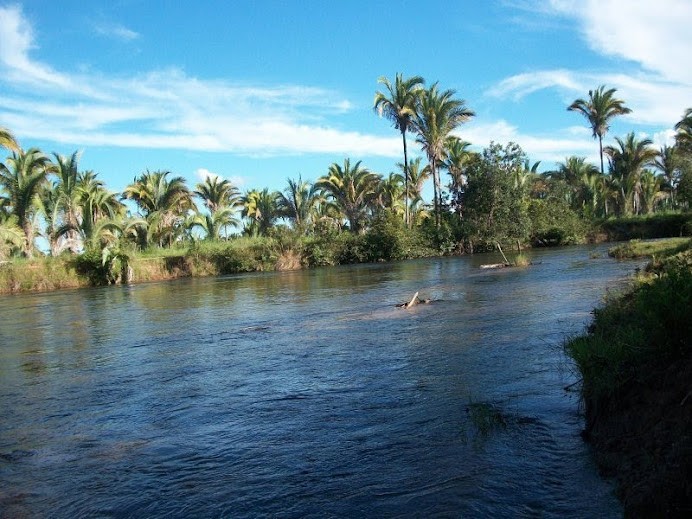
[(305, 394)]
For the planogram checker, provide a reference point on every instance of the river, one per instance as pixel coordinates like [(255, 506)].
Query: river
[(305, 394)]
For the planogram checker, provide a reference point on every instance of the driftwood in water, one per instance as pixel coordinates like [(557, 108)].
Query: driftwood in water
[(495, 265), (415, 300)]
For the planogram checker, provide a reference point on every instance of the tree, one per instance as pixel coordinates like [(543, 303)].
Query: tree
[(581, 177), (215, 222), (438, 115), (599, 109), (96, 203), (217, 193), (668, 163), (261, 209), (7, 140), (417, 175), (20, 178), (683, 136), (495, 209), (298, 202), (164, 203), (627, 161), (352, 189), (391, 193), (399, 106)]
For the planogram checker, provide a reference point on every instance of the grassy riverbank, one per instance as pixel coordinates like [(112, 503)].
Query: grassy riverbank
[(286, 251), (636, 364)]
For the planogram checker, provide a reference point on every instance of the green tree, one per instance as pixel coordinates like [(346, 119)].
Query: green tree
[(214, 222), (20, 179), (7, 140), (298, 202), (417, 176), (668, 163), (398, 105), (599, 109), (438, 115), (683, 135), (261, 209), (353, 190), (99, 207), (217, 193), (391, 194), (495, 209), (627, 161), (164, 203)]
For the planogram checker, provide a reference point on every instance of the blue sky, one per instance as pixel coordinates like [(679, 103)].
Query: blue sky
[(261, 91)]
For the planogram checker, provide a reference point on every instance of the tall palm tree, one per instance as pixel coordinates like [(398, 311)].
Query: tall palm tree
[(261, 209), (7, 140), (66, 188), (599, 109), (627, 161), (352, 189), (20, 179), (398, 105), (59, 233), (651, 191), (438, 115), (298, 202), (163, 202), (217, 193)]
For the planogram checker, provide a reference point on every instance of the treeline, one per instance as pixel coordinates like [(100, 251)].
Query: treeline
[(496, 195)]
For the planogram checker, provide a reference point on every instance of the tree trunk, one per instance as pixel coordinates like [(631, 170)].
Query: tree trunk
[(406, 215), (600, 147), (436, 187)]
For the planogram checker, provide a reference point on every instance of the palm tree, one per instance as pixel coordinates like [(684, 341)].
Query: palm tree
[(56, 229), (456, 159), (11, 236), (580, 177), (164, 203), (391, 193), (217, 193), (261, 209), (627, 161), (683, 137), (21, 178), (398, 105), (7, 140), (667, 162), (599, 109), (438, 115), (651, 192), (215, 222), (66, 188), (96, 203), (352, 189), (298, 202)]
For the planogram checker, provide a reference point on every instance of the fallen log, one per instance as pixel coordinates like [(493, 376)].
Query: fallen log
[(415, 300), (495, 265)]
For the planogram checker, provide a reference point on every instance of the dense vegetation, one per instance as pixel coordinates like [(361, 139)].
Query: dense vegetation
[(350, 213), (636, 366)]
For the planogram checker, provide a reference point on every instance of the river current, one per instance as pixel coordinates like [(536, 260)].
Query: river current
[(305, 394)]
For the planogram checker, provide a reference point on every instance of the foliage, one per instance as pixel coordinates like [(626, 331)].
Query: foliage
[(652, 322), (494, 207), (553, 222)]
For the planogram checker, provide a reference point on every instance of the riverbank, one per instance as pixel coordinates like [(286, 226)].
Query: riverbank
[(636, 365)]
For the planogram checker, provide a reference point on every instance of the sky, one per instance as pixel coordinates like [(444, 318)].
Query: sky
[(262, 91)]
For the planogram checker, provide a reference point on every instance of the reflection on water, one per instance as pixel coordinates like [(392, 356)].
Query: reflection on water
[(304, 394)]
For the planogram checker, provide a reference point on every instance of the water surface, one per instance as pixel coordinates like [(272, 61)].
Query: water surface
[(304, 394)]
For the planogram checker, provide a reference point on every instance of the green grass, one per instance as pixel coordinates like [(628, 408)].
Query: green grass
[(662, 248), (651, 323)]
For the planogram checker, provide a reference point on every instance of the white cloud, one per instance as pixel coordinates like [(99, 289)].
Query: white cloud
[(547, 149), (167, 108), (203, 174), (116, 31)]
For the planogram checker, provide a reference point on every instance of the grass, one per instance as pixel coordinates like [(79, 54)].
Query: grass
[(656, 248), (652, 322)]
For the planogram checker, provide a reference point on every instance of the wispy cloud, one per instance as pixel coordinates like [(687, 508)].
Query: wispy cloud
[(653, 37), (168, 108), (115, 30)]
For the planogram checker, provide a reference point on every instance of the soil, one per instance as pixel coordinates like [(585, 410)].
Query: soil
[(643, 438)]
